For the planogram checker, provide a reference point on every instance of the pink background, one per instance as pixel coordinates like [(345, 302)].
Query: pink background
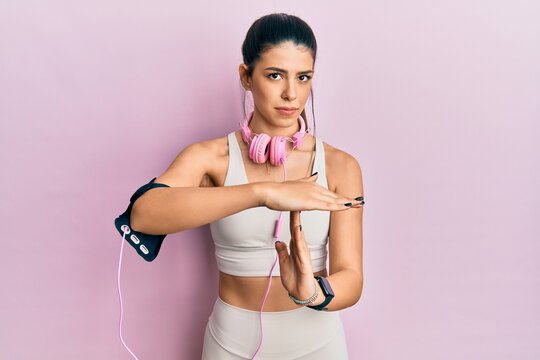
[(438, 101)]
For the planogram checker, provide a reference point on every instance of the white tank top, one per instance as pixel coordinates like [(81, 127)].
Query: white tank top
[(244, 242)]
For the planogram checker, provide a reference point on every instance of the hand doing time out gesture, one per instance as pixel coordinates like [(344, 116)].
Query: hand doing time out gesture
[(295, 265), (295, 268)]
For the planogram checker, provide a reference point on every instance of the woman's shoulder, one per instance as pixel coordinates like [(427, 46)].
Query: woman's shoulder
[(337, 156), (216, 154), (339, 163), (196, 163), (213, 147)]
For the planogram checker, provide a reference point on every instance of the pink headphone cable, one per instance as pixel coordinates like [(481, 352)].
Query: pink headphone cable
[(276, 237), (120, 293)]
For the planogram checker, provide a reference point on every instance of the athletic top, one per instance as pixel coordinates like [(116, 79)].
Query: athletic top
[(244, 241)]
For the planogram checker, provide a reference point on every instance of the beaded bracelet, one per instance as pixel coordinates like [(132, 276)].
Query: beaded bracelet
[(311, 299)]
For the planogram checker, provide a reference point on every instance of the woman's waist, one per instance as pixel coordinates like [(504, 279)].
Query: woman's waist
[(248, 292)]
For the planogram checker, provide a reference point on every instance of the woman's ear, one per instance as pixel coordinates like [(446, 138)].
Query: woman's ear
[(242, 71)]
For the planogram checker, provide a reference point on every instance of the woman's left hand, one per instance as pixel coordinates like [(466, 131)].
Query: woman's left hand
[(295, 268)]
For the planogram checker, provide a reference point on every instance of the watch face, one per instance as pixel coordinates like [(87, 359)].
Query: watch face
[(327, 288)]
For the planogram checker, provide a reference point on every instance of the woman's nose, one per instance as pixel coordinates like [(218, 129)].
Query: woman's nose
[(290, 91)]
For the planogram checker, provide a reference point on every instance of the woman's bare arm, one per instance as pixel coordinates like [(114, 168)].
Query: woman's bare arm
[(174, 209), (185, 205)]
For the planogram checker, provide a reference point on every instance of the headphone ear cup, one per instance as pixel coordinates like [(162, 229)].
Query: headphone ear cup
[(277, 150), (258, 151)]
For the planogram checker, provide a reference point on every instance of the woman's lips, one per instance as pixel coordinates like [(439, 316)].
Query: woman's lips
[(286, 112)]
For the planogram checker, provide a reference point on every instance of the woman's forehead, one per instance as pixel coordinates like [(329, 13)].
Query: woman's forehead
[(290, 58)]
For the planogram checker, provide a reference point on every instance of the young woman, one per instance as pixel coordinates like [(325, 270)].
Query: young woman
[(270, 293)]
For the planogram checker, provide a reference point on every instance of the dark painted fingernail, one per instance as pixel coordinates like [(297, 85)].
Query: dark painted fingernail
[(359, 198), (315, 173), (300, 227), (348, 204)]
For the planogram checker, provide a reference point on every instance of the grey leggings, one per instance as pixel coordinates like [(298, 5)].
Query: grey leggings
[(232, 333)]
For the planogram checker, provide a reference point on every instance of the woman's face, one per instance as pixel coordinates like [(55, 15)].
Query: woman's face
[(281, 78)]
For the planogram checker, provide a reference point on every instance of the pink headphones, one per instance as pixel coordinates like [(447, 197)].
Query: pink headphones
[(262, 146)]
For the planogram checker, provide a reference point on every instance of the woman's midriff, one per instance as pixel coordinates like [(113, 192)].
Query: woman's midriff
[(248, 292)]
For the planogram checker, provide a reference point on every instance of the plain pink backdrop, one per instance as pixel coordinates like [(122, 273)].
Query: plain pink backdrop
[(438, 101)]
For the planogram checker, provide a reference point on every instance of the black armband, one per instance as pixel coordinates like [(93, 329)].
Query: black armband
[(146, 245)]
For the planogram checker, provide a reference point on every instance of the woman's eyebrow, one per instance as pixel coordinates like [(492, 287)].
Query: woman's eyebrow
[(286, 72)]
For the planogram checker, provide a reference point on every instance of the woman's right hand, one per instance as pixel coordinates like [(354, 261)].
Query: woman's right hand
[(304, 194)]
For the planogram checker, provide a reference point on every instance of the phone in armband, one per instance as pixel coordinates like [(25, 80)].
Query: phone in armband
[(146, 245)]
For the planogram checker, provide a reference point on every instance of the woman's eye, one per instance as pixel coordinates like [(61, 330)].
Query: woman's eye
[(307, 76), (270, 75)]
